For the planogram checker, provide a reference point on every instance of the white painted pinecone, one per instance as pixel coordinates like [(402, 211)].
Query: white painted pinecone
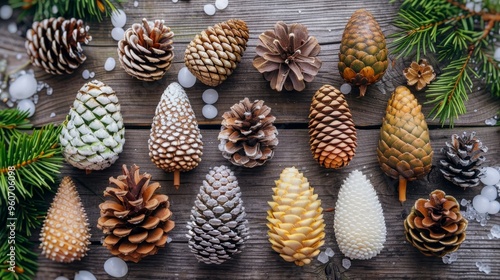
[(359, 222), (94, 134), (217, 226)]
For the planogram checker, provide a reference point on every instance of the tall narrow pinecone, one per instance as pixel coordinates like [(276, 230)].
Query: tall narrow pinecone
[(55, 44), (213, 54), (94, 134), (135, 218), (404, 148), (331, 128), (147, 50), (217, 227), (175, 141), (248, 136), (295, 220), (65, 232), (435, 226), (464, 155), (287, 56)]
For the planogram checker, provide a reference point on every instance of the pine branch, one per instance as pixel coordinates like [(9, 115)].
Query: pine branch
[(11, 120), (25, 258)]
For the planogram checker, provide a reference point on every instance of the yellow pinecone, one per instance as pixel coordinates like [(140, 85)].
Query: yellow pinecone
[(296, 226)]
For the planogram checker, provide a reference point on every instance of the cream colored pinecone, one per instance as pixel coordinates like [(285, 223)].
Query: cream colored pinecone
[(94, 135), (55, 44), (331, 128), (296, 225), (213, 54), (359, 219), (147, 50), (217, 227), (175, 141), (65, 232)]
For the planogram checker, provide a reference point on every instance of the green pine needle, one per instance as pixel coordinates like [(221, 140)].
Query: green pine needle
[(25, 257)]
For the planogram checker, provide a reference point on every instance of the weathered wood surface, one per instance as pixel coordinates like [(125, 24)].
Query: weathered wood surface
[(325, 20)]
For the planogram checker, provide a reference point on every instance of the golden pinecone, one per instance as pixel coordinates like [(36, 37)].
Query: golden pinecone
[(419, 74), (363, 51), (331, 128), (248, 136), (287, 56), (404, 149), (435, 226), (65, 232), (146, 51), (213, 54), (55, 44), (135, 218), (175, 141), (296, 225)]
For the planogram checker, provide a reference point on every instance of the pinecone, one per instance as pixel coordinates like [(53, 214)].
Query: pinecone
[(363, 51), (331, 129), (146, 51), (248, 136), (296, 225), (213, 54), (464, 155), (435, 226), (287, 56), (94, 134), (65, 232), (420, 74), (217, 226), (135, 218), (175, 141), (55, 44)]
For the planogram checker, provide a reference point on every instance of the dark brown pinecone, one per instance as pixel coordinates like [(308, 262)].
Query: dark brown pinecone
[(146, 51), (55, 44), (248, 136), (464, 155)]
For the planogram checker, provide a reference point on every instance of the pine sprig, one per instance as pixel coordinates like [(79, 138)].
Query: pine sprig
[(26, 258), (11, 120)]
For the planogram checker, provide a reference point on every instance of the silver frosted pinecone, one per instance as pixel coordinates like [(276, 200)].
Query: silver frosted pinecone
[(217, 226)]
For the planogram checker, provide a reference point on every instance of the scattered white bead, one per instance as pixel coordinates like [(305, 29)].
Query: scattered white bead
[(109, 64), (84, 275), (175, 1), (209, 111), (86, 74), (92, 75), (52, 115), (186, 79), (19, 56), (210, 96), (209, 9), (55, 10), (116, 267), (5, 12), (329, 252), (345, 88), (61, 278), (23, 87), (490, 121), (118, 18), (490, 192), (169, 239), (346, 263), (117, 33), (494, 207), (323, 258), (490, 176), (221, 4), (495, 231), (136, 4), (481, 203), (26, 105), (12, 27), (497, 54)]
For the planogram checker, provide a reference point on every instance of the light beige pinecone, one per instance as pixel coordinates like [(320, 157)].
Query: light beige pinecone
[(331, 128), (55, 44), (213, 54), (146, 51)]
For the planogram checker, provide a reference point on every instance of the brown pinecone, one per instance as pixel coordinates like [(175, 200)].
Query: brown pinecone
[(248, 136), (331, 128), (287, 56), (134, 218), (435, 226), (419, 74), (146, 51), (55, 44), (214, 53), (464, 155)]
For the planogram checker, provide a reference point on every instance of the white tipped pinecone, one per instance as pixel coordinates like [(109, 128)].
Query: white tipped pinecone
[(359, 220), (217, 228)]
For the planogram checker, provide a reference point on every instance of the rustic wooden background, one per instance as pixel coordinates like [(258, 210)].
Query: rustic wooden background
[(325, 20)]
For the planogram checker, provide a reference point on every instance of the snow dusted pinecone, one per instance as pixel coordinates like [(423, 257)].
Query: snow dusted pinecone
[(217, 226), (55, 44)]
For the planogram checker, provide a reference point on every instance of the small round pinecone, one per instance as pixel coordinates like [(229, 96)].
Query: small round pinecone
[(146, 51), (248, 136), (435, 226), (135, 218), (331, 128), (287, 56), (55, 44), (213, 54), (217, 226), (464, 155)]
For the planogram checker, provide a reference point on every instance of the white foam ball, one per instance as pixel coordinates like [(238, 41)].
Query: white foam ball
[(117, 33), (12, 27), (490, 176), (26, 105), (494, 207), (221, 4), (481, 203), (209, 9), (116, 267), (109, 64), (210, 96), (5, 12), (61, 278), (489, 192), (209, 111), (345, 88), (23, 87), (84, 275), (186, 78), (118, 18)]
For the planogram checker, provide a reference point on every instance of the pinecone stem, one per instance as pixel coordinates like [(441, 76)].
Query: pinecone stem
[(362, 90), (402, 189), (177, 179)]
